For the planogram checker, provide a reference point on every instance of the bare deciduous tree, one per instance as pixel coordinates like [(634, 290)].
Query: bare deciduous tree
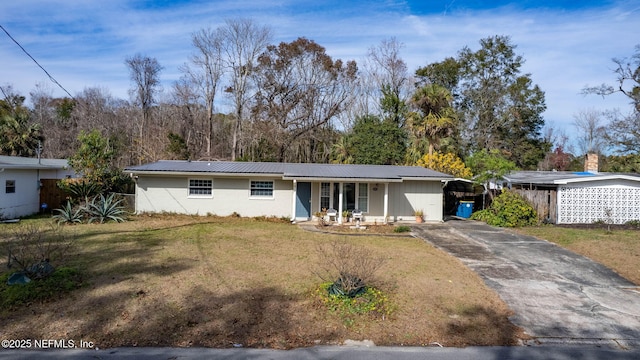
[(624, 130), (301, 89), (591, 133), (389, 71), (205, 74), (242, 42), (145, 75)]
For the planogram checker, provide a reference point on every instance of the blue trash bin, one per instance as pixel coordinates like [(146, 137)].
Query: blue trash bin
[(465, 208)]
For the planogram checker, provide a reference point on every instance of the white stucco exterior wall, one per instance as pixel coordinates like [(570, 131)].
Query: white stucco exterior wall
[(26, 198), (171, 194)]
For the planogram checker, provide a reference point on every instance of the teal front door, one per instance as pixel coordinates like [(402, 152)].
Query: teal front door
[(303, 200)]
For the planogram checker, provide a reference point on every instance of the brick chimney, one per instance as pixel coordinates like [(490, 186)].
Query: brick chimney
[(591, 163)]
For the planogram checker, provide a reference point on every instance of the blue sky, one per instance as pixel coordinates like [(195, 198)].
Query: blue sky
[(567, 44)]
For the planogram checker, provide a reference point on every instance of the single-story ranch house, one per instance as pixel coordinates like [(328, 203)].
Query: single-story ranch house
[(296, 191), (25, 183)]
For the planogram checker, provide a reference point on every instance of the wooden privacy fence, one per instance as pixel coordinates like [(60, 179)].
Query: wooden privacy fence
[(55, 197), (51, 194), (544, 201)]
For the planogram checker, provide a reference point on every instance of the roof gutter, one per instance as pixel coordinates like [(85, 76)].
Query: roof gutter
[(596, 178), (334, 179), (198, 173)]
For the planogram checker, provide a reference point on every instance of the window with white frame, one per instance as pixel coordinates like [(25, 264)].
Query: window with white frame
[(355, 196), (200, 187), (10, 186), (261, 189), (363, 197), (325, 196)]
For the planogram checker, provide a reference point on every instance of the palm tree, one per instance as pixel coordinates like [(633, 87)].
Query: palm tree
[(432, 119), (17, 136), (341, 151)]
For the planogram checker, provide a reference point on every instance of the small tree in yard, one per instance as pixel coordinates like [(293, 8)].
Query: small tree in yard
[(95, 160), (36, 251), (39, 255), (349, 275), (488, 165), (348, 267)]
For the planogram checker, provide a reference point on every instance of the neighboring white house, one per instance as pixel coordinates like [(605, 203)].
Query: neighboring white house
[(21, 180), (580, 197), (295, 191)]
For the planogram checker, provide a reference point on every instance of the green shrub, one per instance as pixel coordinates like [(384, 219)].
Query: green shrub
[(508, 209), (634, 223), (370, 301), (61, 281), (401, 229)]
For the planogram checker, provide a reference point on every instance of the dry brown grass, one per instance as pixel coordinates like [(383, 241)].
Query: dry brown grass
[(618, 249), (216, 282)]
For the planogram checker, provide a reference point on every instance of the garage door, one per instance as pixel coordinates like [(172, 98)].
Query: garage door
[(586, 205)]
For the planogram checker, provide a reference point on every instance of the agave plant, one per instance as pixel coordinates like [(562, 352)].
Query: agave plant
[(80, 190), (84, 190), (108, 208), (68, 214)]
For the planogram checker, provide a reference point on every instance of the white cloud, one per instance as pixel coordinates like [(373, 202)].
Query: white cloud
[(418, 25)]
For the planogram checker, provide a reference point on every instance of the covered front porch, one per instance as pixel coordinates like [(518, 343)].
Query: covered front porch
[(372, 201)]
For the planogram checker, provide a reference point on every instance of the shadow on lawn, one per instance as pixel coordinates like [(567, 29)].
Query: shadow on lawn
[(119, 307), (135, 299), (258, 318), (481, 326)]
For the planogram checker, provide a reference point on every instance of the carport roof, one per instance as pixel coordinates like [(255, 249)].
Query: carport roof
[(564, 177), (291, 170)]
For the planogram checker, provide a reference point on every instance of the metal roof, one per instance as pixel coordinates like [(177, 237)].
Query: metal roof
[(291, 170), (18, 162), (562, 177)]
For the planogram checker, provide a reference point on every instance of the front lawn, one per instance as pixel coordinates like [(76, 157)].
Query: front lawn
[(617, 248), (220, 282)]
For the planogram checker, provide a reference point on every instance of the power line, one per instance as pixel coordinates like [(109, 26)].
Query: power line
[(34, 60)]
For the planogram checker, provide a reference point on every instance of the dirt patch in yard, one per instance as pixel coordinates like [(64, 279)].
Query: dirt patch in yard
[(223, 282)]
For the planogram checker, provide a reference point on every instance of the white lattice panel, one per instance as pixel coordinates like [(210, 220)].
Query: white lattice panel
[(585, 205)]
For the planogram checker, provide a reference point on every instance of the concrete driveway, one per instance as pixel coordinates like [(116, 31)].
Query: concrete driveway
[(557, 295)]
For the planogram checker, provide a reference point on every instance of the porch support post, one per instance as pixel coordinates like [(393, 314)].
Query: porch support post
[(340, 196), (293, 201), (386, 202)]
